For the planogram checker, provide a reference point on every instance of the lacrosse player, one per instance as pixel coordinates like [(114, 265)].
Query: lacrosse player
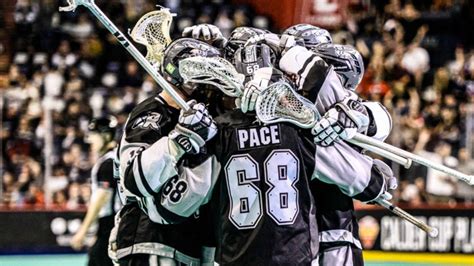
[(336, 218), (339, 232), (264, 195), (159, 225), (104, 201), (258, 82)]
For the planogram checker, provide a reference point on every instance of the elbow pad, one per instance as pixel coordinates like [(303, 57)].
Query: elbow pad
[(380, 121)]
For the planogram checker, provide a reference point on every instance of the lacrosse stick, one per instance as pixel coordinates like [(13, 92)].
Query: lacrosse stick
[(222, 74), (280, 103), (214, 71), (153, 31), (95, 10), (432, 232)]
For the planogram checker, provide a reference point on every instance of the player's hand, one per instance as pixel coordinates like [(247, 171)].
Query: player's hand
[(270, 39), (77, 241), (253, 88), (278, 44), (390, 181), (342, 121), (204, 32), (194, 129)]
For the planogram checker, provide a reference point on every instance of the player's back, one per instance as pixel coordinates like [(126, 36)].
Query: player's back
[(266, 214)]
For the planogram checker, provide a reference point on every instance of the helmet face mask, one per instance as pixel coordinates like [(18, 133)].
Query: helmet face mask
[(311, 35), (249, 59), (346, 60), (237, 39)]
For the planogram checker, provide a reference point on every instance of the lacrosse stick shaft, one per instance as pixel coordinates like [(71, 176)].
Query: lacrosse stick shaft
[(416, 158), (432, 232), (386, 154), (135, 53)]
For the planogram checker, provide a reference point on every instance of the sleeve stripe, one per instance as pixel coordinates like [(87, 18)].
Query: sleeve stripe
[(167, 215), (129, 182), (316, 79), (152, 211), (374, 188), (305, 67), (149, 192)]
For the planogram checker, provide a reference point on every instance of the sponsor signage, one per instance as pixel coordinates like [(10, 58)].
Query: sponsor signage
[(40, 231), (381, 230), (324, 13)]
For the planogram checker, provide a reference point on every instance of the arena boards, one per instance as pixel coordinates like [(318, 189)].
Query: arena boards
[(395, 258)]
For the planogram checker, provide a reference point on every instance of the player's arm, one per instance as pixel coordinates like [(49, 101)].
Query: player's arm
[(148, 159), (357, 175), (183, 195), (99, 198), (315, 79), (151, 173), (343, 113), (380, 120)]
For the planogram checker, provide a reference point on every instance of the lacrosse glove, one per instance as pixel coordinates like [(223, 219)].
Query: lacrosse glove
[(195, 127), (262, 78), (278, 44), (204, 32), (382, 170), (342, 121), (253, 88)]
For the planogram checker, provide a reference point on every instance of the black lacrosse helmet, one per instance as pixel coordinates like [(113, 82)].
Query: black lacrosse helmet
[(179, 50), (346, 60), (248, 59), (238, 38), (311, 35), (104, 125)]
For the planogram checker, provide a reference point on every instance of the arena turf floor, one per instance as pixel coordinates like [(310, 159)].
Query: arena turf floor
[(372, 259)]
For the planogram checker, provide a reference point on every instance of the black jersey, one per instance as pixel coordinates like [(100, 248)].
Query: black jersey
[(102, 176), (266, 213), (337, 221), (160, 217)]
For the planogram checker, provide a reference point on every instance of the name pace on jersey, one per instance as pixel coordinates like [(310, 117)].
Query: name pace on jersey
[(258, 136)]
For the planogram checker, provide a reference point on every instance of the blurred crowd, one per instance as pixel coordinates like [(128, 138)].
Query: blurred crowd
[(66, 68)]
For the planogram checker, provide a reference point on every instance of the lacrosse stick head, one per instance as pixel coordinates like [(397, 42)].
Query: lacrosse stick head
[(215, 71), (72, 5), (280, 103), (153, 31)]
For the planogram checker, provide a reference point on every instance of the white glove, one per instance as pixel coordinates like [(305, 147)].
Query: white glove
[(194, 129), (277, 44), (390, 182), (260, 81), (342, 121), (204, 32)]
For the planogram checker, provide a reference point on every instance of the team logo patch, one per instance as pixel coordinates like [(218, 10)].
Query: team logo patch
[(149, 121)]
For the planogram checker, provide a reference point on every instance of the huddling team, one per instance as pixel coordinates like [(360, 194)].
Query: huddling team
[(214, 185)]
